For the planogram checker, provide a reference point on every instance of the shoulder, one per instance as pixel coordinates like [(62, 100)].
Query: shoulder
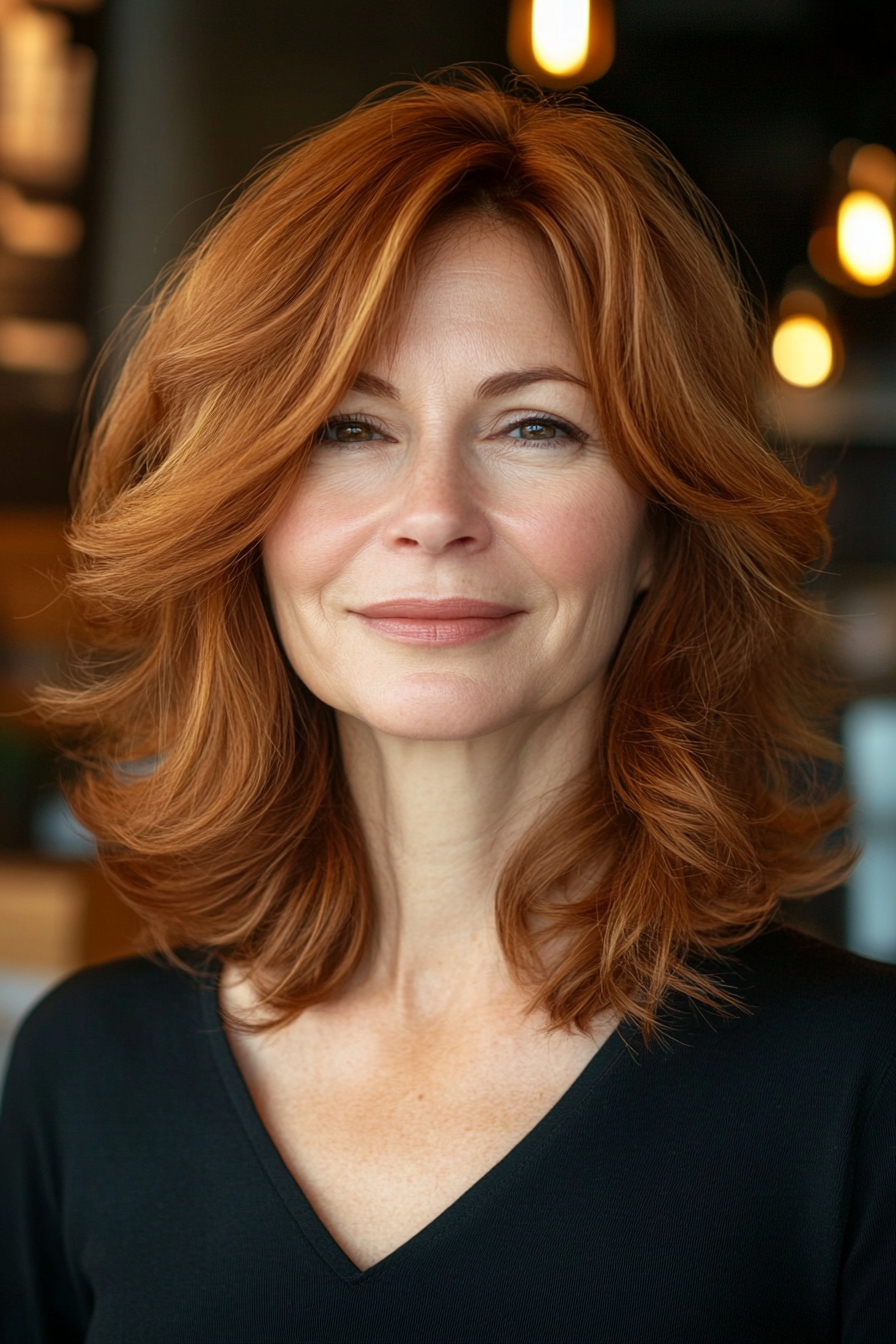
[(811, 1013), (795, 971), (114, 992), (122, 1011)]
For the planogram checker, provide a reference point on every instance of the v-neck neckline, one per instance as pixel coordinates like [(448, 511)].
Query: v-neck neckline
[(467, 1203)]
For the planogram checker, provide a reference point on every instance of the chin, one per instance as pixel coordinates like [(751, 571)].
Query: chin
[(439, 713)]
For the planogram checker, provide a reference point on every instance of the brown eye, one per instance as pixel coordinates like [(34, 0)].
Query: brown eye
[(349, 431), (541, 428), (538, 429)]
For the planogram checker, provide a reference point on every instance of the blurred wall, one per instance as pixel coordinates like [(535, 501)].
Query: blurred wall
[(196, 93)]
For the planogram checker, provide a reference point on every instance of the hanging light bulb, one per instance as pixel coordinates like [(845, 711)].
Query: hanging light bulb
[(865, 240), (802, 351), (560, 35), (854, 246), (562, 43), (805, 348)]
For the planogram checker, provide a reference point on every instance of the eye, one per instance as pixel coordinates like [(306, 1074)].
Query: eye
[(538, 428), (349, 430)]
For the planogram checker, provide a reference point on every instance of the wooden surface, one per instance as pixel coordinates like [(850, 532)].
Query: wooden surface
[(55, 917), (35, 615)]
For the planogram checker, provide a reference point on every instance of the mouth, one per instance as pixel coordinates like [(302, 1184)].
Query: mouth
[(445, 622)]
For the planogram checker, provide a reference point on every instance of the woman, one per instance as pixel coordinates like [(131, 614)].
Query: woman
[(453, 719)]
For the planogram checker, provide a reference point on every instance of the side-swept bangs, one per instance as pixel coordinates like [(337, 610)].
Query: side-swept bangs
[(699, 810)]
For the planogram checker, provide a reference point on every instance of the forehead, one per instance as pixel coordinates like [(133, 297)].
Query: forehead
[(476, 281)]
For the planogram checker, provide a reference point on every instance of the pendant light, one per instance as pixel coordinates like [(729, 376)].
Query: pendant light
[(806, 349), (562, 43)]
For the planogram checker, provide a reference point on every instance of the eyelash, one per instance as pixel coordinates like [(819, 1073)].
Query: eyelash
[(565, 430), (335, 421)]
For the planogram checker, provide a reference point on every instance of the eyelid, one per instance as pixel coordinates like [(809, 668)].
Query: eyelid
[(520, 419), (545, 418), (347, 418)]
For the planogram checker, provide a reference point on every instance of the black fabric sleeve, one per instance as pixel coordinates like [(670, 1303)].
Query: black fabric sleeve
[(40, 1303), (869, 1267)]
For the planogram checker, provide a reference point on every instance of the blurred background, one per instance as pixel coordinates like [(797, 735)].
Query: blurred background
[(123, 125)]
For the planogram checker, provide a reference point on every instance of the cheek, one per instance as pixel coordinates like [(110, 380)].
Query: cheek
[(592, 538), (309, 546)]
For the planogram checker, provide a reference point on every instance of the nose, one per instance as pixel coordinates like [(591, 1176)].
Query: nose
[(436, 506)]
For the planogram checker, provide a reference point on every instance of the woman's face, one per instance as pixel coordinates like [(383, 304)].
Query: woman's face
[(461, 553)]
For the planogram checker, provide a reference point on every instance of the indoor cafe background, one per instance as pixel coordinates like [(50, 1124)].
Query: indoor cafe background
[(124, 123)]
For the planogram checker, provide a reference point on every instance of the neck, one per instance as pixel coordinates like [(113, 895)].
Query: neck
[(440, 819)]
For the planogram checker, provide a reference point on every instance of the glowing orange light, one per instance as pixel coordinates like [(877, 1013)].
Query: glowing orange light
[(38, 228), (560, 35), (803, 351), (873, 168), (46, 87), (562, 43), (29, 346), (865, 239)]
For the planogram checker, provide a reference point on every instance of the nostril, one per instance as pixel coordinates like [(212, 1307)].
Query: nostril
[(455, 542)]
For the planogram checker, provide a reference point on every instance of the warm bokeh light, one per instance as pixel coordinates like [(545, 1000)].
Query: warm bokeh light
[(803, 351), (46, 89), (562, 43), (873, 168), (560, 32), (29, 346), (865, 241), (38, 228)]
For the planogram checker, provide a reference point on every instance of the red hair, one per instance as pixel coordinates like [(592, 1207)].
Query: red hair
[(211, 775)]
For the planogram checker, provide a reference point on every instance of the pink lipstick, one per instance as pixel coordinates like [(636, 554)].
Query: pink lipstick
[(446, 621)]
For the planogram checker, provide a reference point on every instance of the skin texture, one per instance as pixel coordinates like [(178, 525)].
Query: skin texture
[(390, 1101)]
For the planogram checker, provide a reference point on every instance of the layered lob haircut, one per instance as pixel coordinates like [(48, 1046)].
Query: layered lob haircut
[(211, 775)]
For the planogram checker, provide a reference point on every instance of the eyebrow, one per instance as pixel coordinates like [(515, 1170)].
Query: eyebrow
[(502, 383), (375, 387), (499, 385)]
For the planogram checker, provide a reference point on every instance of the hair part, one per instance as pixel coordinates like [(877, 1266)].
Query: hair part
[(702, 806)]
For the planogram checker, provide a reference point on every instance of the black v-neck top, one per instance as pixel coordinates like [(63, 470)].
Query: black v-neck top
[(735, 1185)]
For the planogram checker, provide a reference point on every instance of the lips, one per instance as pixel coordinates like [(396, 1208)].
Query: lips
[(444, 622), (436, 609)]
